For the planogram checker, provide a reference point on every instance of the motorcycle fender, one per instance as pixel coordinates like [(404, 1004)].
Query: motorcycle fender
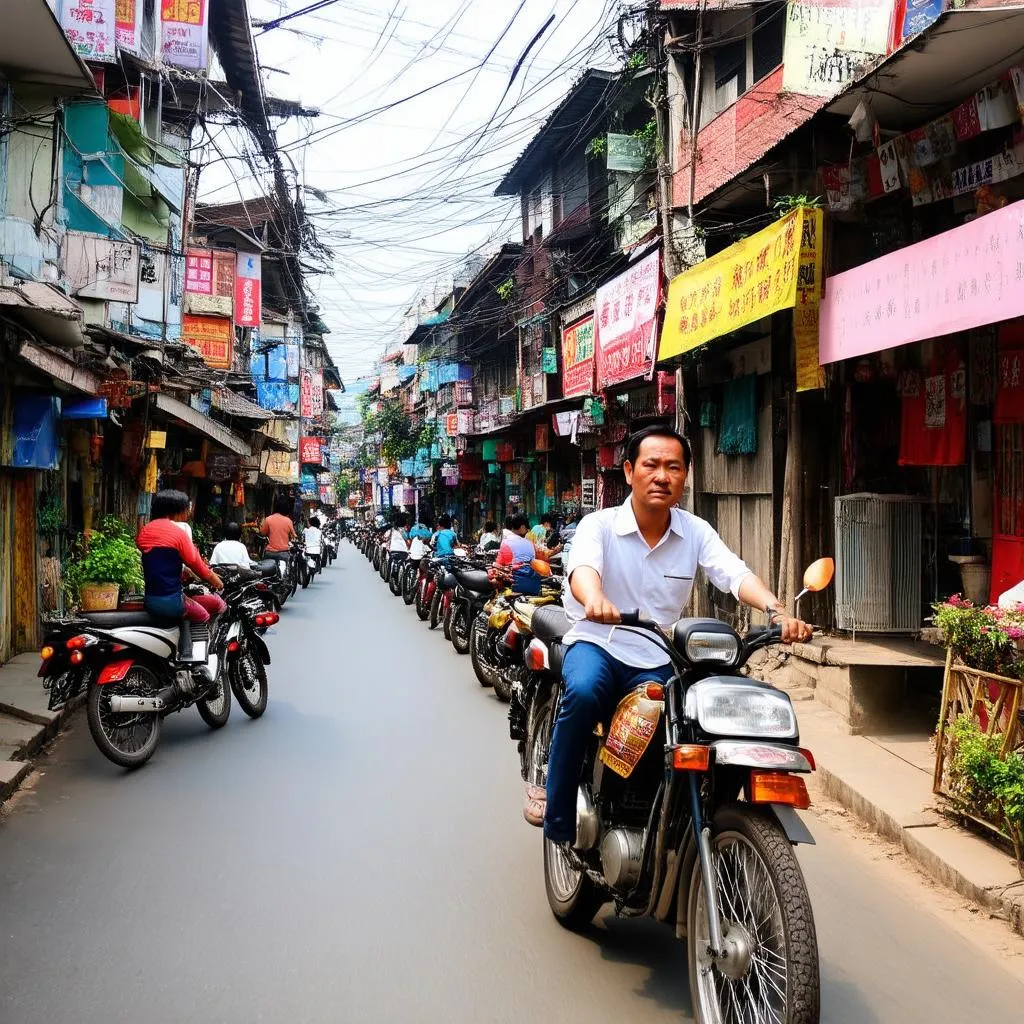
[(792, 824), (235, 631), (260, 645), (114, 671), (632, 729), (674, 889)]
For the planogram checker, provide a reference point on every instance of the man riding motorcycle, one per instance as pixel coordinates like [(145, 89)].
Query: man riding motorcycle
[(642, 554)]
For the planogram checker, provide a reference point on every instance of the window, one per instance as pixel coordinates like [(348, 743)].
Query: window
[(769, 39), (730, 73)]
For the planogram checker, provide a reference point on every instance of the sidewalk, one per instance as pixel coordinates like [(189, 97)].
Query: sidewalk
[(887, 782), (25, 723)]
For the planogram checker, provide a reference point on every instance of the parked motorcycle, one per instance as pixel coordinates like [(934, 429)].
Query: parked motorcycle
[(129, 661), (472, 591), (687, 813)]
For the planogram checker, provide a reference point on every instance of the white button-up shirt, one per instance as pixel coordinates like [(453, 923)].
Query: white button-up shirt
[(656, 580)]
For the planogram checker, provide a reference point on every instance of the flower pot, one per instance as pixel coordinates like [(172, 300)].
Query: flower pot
[(99, 597)]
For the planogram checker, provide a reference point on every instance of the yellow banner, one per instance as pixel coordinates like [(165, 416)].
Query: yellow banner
[(806, 315), (750, 280)]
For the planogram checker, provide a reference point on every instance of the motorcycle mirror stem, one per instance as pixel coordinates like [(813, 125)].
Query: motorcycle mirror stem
[(817, 577)]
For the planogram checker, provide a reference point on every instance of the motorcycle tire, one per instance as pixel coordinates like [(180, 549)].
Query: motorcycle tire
[(395, 579), (127, 740), (216, 710), (248, 677), (486, 673), (385, 566), (447, 621), (506, 681), (409, 578), (573, 898), (422, 605), (305, 575), (764, 858), (460, 629), (435, 609)]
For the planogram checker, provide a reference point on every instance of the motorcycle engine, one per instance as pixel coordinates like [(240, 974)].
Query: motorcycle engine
[(622, 851)]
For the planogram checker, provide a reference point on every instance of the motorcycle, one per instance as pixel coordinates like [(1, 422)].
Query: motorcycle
[(128, 663), (687, 813), (472, 591), (426, 585)]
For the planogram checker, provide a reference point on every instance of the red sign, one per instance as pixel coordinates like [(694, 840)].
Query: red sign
[(212, 337), (578, 358), (311, 394), (248, 290), (199, 272), (310, 450), (451, 424), (627, 322)]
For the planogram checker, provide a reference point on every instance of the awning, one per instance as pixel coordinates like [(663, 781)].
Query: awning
[(956, 281), (60, 368), (233, 404), (34, 49), (203, 424), (46, 310)]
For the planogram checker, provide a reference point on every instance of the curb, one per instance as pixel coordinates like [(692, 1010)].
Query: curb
[(1005, 902), (14, 772)]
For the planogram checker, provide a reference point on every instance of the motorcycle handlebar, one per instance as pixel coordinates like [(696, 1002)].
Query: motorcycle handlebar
[(630, 616)]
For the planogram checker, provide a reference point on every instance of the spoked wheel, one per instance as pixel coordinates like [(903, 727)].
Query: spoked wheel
[(770, 972), (460, 628), (486, 673), (249, 682), (447, 620), (385, 566), (508, 678), (395, 578), (216, 709), (435, 609), (574, 899), (129, 740)]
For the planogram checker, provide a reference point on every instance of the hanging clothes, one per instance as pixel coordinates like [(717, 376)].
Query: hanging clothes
[(738, 432), (933, 430)]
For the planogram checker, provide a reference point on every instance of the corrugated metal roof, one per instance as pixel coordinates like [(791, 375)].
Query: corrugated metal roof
[(569, 123), (234, 404)]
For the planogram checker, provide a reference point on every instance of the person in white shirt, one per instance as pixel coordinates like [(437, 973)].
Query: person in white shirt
[(231, 550), (312, 537), (643, 554)]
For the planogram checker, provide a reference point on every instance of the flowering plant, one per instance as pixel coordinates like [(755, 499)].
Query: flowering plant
[(987, 638)]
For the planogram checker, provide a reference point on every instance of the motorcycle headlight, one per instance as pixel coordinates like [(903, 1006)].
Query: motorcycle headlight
[(723, 648), (746, 709)]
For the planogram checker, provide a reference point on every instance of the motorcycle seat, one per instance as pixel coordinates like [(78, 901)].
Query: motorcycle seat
[(475, 580), (117, 620), (556, 655), (269, 567), (550, 623)]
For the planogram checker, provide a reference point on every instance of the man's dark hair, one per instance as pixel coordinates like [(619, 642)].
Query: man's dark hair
[(313, 521), (490, 526), (509, 520), (233, 531), (637, 439), (445, 522), (547, 518), (520, 522), (398, 522), (283, 506), (169, 503)]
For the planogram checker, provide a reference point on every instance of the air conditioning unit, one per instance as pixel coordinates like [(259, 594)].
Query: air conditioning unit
[(878, 563)]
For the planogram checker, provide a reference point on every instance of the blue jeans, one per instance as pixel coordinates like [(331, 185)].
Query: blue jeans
[(594, 683)]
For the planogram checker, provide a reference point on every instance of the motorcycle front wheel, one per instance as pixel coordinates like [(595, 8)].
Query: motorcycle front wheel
[(422, 604), (216, 709), (486, 673), (447, 621), (435, 609), (770, 972), (395, 578), (248, 677), (409, 578), (460, 629), (129, 740)]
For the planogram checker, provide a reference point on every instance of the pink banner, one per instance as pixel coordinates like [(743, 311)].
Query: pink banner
[(961, 279), (626, 319)]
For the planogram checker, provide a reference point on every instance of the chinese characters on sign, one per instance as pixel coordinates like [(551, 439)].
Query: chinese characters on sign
[(311, 394), (807, 312), (310, 450), (750, 280), (626, 321), (128, 30), (212, 337), (199, 272), (183, 33), (578, 358), (247, 290), (90, 28), (964, 278)]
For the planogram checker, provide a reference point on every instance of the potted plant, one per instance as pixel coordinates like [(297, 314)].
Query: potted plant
[(104, 564)]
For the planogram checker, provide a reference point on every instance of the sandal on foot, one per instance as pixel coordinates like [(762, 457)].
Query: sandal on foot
[(535, 806)]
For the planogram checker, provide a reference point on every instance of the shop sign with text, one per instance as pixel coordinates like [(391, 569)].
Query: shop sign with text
[(626, 322), (247, 290), (578, 358), (742, 284), (310, 450), (807, 312), (183, 33), (90, 26), (212, 337)]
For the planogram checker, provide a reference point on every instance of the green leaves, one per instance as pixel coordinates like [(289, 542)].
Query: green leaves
[(108, 556)]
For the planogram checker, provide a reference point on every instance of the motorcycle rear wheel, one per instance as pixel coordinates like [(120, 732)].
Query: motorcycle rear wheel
[(395, 579), (435, 609), (485, 672), (127, 740), (248, 677), (216, 710), (776, 937), (409, 577), (422, 604), (507, 679), (447, 622)]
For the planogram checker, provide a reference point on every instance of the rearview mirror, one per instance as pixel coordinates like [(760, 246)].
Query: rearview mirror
[(819, 575)]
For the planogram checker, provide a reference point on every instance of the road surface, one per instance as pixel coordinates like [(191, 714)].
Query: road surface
[(358, 855)]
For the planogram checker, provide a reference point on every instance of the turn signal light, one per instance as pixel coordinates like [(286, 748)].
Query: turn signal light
[(654, 691), (271, 618), (512, 635), (810, 758), (46, 653), (778, 788), (233, 647), (535, 657), (77, 657), (691, 757)]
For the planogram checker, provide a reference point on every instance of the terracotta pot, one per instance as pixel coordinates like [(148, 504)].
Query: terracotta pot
[(99, 597)]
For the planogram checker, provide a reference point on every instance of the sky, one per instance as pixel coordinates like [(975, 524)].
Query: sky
[(406, 181)]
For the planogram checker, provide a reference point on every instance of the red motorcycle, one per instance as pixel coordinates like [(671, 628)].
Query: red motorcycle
[(426, 586), (444, 584)]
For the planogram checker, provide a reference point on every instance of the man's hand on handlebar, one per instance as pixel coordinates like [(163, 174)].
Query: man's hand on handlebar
[(215, 581), (793, 630), (599, 609)]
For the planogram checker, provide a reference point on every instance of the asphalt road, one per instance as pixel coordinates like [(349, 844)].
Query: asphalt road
[(358, 855)]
